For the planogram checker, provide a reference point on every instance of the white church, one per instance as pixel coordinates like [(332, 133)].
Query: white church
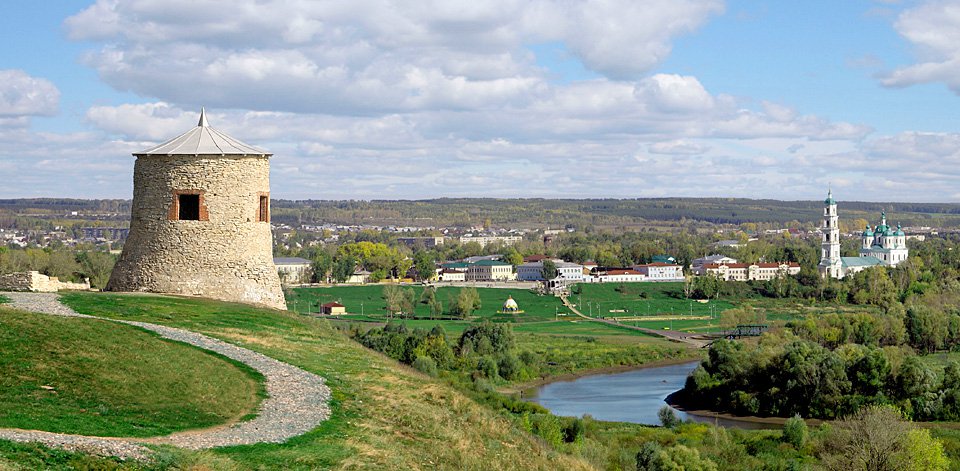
[(881, 246)]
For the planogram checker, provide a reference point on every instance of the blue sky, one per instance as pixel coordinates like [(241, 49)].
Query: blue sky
[(508, 98)]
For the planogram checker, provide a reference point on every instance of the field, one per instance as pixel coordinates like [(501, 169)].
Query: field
[(367, 303), (384, 415), (100, 378)]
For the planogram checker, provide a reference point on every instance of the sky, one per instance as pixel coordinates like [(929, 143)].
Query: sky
[(378, 99)]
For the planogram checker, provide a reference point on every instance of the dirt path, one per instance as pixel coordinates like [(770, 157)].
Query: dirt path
[(297, 400), (691, 339)]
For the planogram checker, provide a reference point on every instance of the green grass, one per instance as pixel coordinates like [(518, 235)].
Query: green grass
[(641, 299), (565, 354), (576, 326), (384, 415), (4, 299), (368, 301), (95, 377)]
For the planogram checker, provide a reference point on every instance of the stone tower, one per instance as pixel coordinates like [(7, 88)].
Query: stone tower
[(200, 222), (831, 264)]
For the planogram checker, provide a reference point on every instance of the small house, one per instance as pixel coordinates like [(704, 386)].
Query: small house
[(333, 309)]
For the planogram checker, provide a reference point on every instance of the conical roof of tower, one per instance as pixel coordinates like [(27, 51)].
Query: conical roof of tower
[(203, 140), (829, 201)]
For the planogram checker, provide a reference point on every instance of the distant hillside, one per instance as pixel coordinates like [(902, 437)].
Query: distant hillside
[(599, 212), (537, 213)]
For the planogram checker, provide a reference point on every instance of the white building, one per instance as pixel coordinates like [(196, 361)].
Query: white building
[(748, 271), (881, 246), (620, 276), (487, 240), (293, 270), (490, 270), (884, 243), (715, 258), (448, 274), (661, 271), (533, 271)]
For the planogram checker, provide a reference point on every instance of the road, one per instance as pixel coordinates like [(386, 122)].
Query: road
[(692, 339)]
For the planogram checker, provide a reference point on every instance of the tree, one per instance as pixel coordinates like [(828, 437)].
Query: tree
[(426, 268), (926, 328), (436, 308), (653, 457), (549, 269), (467, 301), (878, 438), (668, 418), (513, 257), (795, 431), (96, 266), (344, 268), (322, 265)]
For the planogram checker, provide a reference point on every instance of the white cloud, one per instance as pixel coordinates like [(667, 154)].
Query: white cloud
[(678, 147), (371, 55), (674, 93), (22, 95), (934, 29)]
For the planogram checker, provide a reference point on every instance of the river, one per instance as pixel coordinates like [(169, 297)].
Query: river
[(632, 396)]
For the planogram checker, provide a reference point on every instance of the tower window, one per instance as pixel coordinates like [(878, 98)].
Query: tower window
[(188, 207), (263, 210)]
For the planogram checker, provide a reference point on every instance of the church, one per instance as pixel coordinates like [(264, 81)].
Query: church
[(880, 246)]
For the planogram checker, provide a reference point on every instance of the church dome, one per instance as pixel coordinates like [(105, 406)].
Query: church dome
[(829, 201), (867, 232), (899, 231)]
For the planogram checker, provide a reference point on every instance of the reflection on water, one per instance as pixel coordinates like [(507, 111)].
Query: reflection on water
[(633, 396)]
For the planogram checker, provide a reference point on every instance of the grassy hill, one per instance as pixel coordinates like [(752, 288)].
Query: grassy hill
[(385, 416), (93, 377)]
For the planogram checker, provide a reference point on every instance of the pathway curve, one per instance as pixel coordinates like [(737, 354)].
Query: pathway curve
[(691, 339), (297, 400)]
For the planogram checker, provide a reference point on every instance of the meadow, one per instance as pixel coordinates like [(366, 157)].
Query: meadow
[(145, 385), (384, 415)]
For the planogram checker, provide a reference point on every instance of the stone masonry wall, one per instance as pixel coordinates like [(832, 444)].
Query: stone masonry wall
[(38, 282), (228, 256)]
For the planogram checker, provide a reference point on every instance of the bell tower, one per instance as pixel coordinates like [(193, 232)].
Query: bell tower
[(830, 263)]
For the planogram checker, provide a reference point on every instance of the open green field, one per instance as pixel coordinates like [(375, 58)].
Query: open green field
[(384, 415), (92, 377), (641, 299), (367, 303), (3, 299)]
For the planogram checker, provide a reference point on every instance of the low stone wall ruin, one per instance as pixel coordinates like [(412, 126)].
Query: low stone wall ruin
[(38, 282)]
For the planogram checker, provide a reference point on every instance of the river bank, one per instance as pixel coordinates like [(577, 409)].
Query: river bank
[(527, 388)]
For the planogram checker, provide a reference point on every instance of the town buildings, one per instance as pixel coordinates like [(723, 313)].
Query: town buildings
[(490, 270), (748, 271), (487, 240), (533, 271), (660, 271)]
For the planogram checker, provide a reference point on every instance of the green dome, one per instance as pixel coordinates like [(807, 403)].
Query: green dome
[(900, 231), (867, 232), (829, 201)]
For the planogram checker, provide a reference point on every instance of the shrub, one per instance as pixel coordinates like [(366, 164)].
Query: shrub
[(547, 427), (795, 431), (668, 418), (488, 367), (425, 365), (509, 366)]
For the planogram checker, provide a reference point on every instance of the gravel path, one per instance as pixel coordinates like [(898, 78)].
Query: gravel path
[(297, 402)]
